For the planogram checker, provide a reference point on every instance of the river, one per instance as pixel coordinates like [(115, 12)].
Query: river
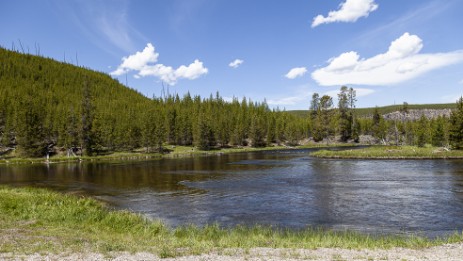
[(286, 189)]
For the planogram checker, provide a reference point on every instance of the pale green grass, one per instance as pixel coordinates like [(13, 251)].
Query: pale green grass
[(391, 152), (38, 220)]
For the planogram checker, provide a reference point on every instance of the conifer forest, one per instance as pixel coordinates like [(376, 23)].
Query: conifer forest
[(48, 106)]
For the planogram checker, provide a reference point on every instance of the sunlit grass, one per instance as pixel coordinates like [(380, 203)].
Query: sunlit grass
[(38, 220), (392, 152), (170, 151)]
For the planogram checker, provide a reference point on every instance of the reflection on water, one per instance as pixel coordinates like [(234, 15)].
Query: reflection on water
[(284, 189)]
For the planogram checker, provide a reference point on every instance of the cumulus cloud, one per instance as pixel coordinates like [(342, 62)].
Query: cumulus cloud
[(145, 64), (349, 11), (296, 72), (236, 63), (400, 63), (137, 61)]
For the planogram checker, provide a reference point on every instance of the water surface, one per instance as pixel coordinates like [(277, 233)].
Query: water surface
[(280, 188)]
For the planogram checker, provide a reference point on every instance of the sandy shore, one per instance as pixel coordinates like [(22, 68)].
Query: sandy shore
[(445, 252)]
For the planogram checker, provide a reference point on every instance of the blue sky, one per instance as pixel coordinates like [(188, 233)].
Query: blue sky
[(390, 51)]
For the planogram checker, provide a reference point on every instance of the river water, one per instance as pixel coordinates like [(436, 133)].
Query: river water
[(279, 188)]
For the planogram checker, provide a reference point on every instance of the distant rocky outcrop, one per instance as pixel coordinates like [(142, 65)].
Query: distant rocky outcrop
[(412, 115)]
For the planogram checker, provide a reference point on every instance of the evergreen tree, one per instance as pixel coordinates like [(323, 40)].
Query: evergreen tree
[(204, 135), (379, 125), (456, 126), (257, 131), (422, 136), (326, 103), (30, 133), (352, 99), (87, 137), (345, 115), (438, 132)]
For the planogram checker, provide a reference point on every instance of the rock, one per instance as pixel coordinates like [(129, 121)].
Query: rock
[(413, 115)]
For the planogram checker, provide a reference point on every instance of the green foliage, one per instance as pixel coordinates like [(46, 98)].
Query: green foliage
[(322, 117), (346, 105), (52, 107), (391, 152), (48, 105), (456, 125)]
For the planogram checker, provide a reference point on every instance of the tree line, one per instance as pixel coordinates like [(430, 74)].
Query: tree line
[(48, 106), (341, 123)]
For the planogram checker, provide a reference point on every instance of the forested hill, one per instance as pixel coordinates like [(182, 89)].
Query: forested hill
[(41, 101), (50, 106)]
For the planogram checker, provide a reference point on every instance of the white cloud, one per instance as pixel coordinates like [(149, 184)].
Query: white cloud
[(192, 71), (400, 63), (296, 72), (144, 63), (343, 62), (460, 82), (236, 63), (137, 61), (349, 11)]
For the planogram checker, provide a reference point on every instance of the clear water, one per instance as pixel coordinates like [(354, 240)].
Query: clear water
[(281, 188)]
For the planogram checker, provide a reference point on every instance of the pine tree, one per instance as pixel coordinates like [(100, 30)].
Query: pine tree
[(456, 126), (345, 119), (257, 131), (87, 137), (203, 135)]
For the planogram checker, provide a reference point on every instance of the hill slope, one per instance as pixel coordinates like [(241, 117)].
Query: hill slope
[(42, 101), (49, 106)]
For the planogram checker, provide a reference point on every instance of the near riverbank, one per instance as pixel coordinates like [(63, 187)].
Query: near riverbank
[(391, 152), (38, 222)]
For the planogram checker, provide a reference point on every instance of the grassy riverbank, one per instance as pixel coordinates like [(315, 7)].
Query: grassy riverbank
[(391, 152), (41, 221), (171, 152)]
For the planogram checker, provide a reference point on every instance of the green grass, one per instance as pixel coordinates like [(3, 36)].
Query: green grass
[(391, 152), (173, 152), (12, 159), (38, 221)]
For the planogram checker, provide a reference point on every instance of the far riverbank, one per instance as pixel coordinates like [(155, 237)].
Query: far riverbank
[(391, 152), (169, 152)]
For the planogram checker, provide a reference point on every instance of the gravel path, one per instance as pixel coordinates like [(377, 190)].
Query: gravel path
[(445, 252)]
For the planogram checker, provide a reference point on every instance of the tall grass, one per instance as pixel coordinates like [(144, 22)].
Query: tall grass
[(38, 220), (391, 152), (173, 152)]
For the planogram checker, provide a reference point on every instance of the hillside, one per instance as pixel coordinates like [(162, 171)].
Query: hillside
[(48, 106), (42, 102)]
